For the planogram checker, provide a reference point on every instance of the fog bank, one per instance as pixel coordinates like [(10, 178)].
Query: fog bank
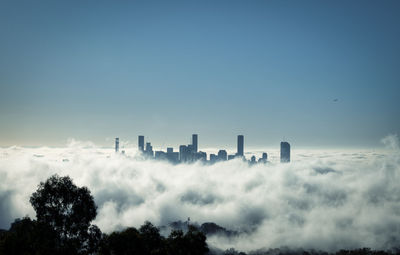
[(324, 200)]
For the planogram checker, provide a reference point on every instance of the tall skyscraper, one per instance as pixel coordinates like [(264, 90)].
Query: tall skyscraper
[(141, 143), (194, 142), (116, 144), (285, 152), (240, 143)]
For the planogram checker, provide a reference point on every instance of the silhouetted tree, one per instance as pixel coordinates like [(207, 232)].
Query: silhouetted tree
[(196, 241), (122, 243), (68, 210), (191, 243), (27, 236), (153, 242)]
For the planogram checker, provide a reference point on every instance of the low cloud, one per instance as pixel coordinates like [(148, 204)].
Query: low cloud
[(325, 200)]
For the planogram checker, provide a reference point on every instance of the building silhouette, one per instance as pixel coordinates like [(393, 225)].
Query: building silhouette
[(172, 156), (141, 143), (222, 155), (240, 144), (194, 143), (149, 150), (184, 152), (116, 144), (213, 158), (253, 160), (285, 152), (264, 158)]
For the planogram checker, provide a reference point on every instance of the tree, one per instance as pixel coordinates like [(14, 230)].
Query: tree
[(68, 210), (193, 242), (27, 236), (125, 242), (153, 242)]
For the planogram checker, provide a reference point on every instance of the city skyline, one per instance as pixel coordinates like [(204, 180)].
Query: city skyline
[(274, 122), (190, 153)]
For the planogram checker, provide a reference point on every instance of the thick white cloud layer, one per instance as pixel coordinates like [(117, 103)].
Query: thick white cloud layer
[(323, 199)]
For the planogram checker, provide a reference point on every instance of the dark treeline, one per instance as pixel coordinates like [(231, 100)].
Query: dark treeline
[(64, 213), (63, 226)]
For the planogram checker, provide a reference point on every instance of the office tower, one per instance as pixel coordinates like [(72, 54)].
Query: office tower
[(141, 143), (183, 153), (172, 156), (253, 159), (222, 155), (194, 142), (240, 142), (116, 144), (285, 152), (149, 150)]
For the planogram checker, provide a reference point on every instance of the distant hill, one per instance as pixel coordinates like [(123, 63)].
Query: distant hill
[(208, 228)]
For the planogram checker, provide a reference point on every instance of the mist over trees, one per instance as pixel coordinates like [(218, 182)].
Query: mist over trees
[(64, 213)]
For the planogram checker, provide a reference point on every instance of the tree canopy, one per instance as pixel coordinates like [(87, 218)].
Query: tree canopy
[(68, 211)]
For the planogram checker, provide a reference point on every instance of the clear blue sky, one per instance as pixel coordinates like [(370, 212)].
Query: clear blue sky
[(94, 70)]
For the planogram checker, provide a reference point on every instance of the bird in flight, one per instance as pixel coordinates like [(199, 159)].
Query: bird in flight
[(335, 100)]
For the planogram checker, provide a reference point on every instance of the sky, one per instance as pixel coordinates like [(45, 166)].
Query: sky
[(270, 70)]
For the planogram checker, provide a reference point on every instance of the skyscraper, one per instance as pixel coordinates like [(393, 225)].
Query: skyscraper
[(116, 144), (194, 142), (285, 152), (141, 143), (149, 150), (183, 153), (240, 143)]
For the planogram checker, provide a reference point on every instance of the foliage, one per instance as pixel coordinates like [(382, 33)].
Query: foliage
[(67, 211), (147, 240)]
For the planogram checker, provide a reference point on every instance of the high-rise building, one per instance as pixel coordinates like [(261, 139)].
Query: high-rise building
[(172, 156), (240, 143), (149, 150), (141, 142), (194, 142), (183, 153), (116, 144), (285, 152), (222, 155)]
